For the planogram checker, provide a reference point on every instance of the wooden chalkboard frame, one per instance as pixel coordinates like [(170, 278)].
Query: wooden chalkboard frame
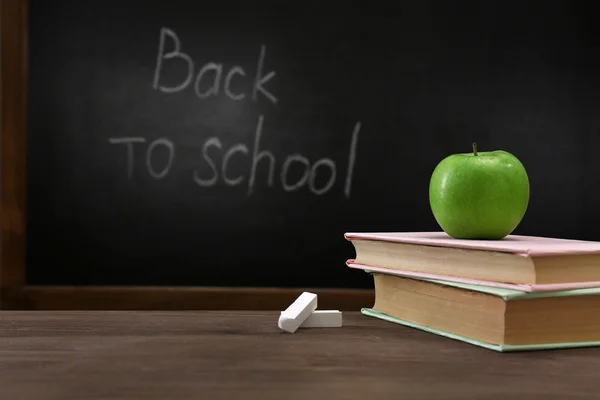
[(16, 294)]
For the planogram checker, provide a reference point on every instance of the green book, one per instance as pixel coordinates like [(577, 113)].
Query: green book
[(511, 294), (495, 318)]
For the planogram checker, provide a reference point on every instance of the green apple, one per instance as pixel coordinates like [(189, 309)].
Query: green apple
[(479, 195)]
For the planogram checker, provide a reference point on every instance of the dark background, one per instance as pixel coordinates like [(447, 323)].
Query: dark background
[(424, 78)]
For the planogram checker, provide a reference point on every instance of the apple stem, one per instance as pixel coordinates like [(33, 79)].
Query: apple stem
[(474, 148)]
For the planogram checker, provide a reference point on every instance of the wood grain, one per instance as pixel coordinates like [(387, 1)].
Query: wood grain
[(242, 355), (13, 142)]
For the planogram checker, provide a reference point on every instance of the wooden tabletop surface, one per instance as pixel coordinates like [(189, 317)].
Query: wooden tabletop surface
[(243, 355)]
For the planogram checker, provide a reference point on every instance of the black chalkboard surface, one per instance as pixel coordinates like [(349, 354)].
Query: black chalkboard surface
[(228, 144)]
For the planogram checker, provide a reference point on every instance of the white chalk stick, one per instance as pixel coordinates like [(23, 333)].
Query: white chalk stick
[(323, 319), (297, 312)]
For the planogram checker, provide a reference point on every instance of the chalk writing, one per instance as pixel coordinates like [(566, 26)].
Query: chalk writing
[(325, 162), (210, 73), (294, 158), (170, 148), (128, 141), (213, 79), (213, 141), (238, 148), (218, 170)]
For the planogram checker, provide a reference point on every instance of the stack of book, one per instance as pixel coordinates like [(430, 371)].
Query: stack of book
[(519, 293)]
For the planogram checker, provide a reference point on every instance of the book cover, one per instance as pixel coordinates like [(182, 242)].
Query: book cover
[(527, 246), (496, 347), (511, 294), (531, 288)]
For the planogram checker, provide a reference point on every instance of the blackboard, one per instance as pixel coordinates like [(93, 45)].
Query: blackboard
[(152, 127)]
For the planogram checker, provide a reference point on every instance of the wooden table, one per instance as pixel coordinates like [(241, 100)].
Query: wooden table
[(243, 355)]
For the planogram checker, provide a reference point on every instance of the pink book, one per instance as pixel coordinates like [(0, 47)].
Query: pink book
[(532, 267), (521, 245), (549, 287)]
